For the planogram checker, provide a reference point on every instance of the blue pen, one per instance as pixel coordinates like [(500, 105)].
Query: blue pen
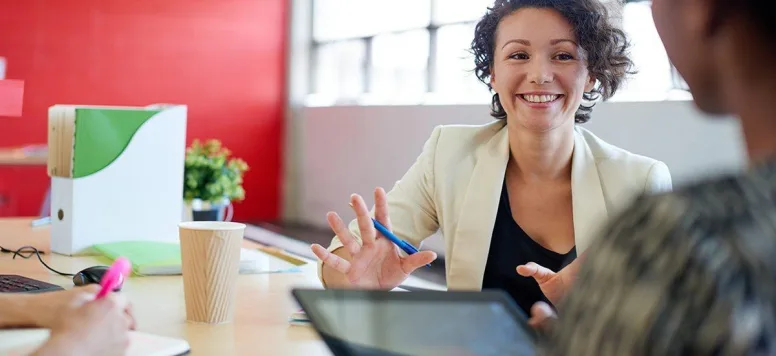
[(404, 245)]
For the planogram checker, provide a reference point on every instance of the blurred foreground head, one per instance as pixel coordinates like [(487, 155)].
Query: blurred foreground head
[(724, 51), (721, 47)]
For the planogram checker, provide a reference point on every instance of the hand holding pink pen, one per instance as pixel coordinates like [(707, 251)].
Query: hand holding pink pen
[(94, 327), (114, 277)]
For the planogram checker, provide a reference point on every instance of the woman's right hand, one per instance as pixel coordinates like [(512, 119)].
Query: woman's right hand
[(46, 308), (98, 327), (377, 262)]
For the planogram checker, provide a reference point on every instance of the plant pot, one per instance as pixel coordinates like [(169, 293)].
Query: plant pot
[(199, 210)]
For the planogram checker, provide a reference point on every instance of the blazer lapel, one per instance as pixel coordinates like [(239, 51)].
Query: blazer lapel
[(588, 203), (469, 251)]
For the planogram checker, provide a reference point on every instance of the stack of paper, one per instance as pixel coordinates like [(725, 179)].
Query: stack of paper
[(299, 317)]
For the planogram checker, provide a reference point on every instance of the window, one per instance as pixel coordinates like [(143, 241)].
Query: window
[(454, 78), (656, 78), (398, 65), (341, 19), (417, 51), (339, 68), (457, 11)]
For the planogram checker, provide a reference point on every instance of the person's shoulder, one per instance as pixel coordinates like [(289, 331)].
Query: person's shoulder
[(466, 139), (677, 253), (717, 204), (606, 152), (471, 132), (619, 162)]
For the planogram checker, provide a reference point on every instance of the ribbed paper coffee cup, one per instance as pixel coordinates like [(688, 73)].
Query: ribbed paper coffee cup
[(210, 253)]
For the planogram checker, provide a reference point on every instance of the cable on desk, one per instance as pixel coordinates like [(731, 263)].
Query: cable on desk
[(32, 251)]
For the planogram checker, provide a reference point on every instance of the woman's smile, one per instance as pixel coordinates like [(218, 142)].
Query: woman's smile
[(540, 100)]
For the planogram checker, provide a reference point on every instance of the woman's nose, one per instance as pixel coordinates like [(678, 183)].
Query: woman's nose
[(540, 72)]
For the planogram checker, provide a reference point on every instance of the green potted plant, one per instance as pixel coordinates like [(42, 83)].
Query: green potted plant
[(212, 181)]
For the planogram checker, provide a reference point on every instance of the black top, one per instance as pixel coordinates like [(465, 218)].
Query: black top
[(510, 247)]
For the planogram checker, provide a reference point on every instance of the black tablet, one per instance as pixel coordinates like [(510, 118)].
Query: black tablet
[(355, 322)]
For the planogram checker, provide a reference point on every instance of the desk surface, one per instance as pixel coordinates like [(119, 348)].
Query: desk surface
[(264, 303), (20, 157), (260, 326)]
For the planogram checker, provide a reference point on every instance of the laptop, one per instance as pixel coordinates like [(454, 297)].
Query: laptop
[(358, 322)]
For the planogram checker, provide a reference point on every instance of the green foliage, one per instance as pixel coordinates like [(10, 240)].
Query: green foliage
[(211, 175)]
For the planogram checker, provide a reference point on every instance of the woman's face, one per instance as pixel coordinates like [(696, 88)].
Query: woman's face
[(539, 71)]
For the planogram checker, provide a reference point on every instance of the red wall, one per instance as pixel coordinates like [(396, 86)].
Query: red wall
[(225, 59)]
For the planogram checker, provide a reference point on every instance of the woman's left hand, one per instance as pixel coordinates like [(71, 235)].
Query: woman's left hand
[(553, 285), (542, 317)]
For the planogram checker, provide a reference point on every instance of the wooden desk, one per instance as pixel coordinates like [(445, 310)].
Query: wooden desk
[(18, 232), (264, 304), (18, 157)]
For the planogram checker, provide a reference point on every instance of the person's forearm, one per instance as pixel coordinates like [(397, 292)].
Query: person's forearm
[(16, 310), (333, 278)]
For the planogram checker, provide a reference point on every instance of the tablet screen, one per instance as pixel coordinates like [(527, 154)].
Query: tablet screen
[(426, 327)]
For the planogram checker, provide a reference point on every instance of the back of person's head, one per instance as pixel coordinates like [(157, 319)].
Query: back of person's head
[(605, 45), (716, 44), (760, 13)]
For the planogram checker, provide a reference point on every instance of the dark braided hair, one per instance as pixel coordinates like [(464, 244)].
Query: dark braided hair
[(606, 47)]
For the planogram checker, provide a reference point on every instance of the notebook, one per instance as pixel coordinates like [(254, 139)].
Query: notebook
[(164, 258), (25, 341)]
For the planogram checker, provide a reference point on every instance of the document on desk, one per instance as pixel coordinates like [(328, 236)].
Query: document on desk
[(24, 341), (299, 317), (164, 258)]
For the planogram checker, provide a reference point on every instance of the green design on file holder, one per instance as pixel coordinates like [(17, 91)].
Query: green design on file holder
[(101, 135)]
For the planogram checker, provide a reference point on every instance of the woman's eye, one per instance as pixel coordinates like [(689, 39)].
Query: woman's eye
[(564, 57), (520, 55)]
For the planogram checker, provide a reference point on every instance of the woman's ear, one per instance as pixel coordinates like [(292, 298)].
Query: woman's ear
[(590, 85)]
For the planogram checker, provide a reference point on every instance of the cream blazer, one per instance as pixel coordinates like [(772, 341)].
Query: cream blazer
[(455, 185)]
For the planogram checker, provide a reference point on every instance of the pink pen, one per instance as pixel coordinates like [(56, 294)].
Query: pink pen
[(114, 276)]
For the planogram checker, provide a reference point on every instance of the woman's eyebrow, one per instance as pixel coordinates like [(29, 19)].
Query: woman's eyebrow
[(520, 41), (560, 40)]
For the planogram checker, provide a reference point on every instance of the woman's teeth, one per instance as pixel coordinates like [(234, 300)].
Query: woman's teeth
[(540, 98)]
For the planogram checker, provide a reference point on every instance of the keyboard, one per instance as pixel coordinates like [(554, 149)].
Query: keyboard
[(18, 284)]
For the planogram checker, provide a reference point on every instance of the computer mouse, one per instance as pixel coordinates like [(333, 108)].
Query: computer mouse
[(93, 275)]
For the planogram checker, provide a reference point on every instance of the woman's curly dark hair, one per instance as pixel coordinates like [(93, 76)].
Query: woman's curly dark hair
[(606, 47)]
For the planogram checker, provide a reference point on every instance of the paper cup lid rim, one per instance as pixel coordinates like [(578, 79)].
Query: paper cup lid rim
[(211, 225)]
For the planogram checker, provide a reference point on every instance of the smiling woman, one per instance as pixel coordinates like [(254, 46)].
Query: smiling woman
[(578, 35), (528, 189)]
